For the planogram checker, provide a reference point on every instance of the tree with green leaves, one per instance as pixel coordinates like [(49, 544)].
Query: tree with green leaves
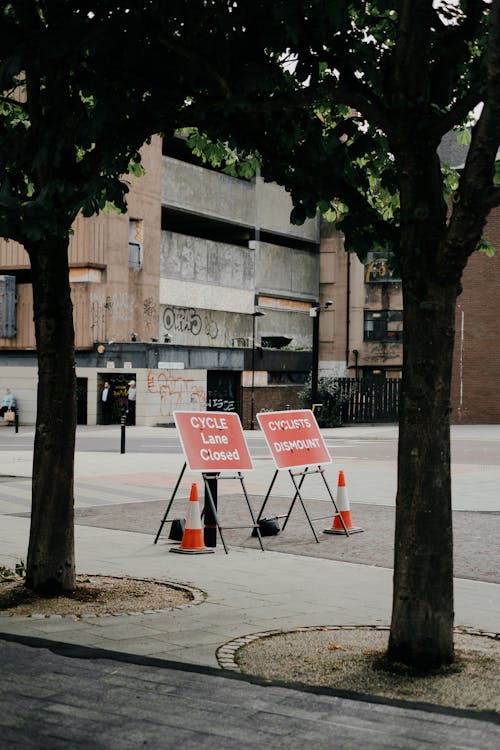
[(72, 120), (346, 104)]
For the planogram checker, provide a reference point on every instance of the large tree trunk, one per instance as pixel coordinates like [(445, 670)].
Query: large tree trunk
[(432, 254), (422, 614), (51, 557)]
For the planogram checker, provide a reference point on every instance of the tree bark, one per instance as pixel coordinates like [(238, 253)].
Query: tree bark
[(422, 614), (51, 557), (433, 253)]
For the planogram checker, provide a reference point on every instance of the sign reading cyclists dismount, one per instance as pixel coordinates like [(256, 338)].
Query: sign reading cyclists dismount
[(294, 438), (213, 441)]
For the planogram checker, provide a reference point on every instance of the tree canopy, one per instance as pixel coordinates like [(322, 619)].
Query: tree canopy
[(73, 116), (332, 95)]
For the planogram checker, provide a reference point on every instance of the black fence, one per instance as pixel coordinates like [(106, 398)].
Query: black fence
[(369, 400)]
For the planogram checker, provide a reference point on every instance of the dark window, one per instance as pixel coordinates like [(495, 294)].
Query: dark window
[(286, 378), (383, 325), (7, 307)]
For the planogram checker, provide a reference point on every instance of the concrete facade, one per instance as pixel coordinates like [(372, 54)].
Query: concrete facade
[(168, 292)]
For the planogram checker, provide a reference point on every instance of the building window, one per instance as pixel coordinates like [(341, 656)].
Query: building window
[(287, 378), (7, 307), (135, 243), (383, 325)]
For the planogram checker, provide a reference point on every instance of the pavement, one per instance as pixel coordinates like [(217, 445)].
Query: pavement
[(154, 679)]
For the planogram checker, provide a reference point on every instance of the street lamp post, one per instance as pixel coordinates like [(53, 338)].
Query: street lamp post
[(314, 313), (255, 314)]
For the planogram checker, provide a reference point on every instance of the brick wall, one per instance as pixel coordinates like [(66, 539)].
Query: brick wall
[(268, 398), (476, 366)]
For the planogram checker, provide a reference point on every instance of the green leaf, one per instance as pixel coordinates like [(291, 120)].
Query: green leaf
[(486, 247), (464, 137), (496, 176), (135, 168)]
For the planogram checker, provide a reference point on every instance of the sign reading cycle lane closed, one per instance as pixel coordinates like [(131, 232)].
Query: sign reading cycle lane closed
[(294, 438), (213, 441)]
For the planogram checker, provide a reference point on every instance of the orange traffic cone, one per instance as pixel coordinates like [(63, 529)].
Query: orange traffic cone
[(192, 539), (344, 510)]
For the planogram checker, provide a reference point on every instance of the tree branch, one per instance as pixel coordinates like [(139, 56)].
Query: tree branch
[(358, 98), (482, 154), (476, 195), (411, 56), (182, 51), (455, 115), (14, 102), (454, 37)]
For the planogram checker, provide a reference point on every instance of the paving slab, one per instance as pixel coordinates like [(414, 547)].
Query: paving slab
[(51, 700)]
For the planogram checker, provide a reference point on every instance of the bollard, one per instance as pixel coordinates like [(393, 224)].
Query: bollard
[(16, 421), (123, 423)]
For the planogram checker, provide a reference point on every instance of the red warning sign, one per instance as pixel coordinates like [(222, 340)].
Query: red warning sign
[(213, 441), (294, 438)]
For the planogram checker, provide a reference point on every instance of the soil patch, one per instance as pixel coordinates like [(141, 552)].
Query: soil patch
[(353, 659), (95, 595)]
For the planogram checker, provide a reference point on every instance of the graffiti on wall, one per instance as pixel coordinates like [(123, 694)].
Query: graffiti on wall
[(175, 392), (221, 404), (211, 327), (379, 269), (150, 312), (121, 308), (188, 320), (182, 319)]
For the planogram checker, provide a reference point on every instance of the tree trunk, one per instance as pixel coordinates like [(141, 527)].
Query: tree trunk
[(51, 557), (422, 615)]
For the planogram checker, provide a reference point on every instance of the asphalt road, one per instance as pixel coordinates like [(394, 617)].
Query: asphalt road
[(342, 445)]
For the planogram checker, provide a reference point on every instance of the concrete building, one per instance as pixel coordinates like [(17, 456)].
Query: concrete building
[(201, 293), (361, 334)]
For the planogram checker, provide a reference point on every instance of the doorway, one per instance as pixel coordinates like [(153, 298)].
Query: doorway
[(118, 387), (223, 388), (81, 400)]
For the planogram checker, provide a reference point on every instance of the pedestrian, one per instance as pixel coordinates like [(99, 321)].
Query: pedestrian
[(106, 397), (131, 403), (8, 407)]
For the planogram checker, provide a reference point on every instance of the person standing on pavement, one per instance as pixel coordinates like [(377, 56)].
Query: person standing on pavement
[(8, 405), (106, 403), (131, 393)]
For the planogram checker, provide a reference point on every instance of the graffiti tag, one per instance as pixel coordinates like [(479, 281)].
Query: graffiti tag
[(182, 319), (175, 391)]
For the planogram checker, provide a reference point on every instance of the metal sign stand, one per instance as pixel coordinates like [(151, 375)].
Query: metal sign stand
[(165, 515), (307, 471), (207, 478)]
